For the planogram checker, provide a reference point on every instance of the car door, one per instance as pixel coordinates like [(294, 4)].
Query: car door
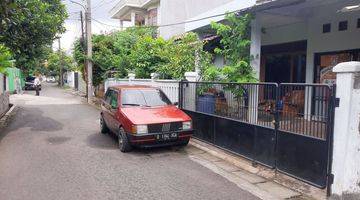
[(105, 107), (113, 111)]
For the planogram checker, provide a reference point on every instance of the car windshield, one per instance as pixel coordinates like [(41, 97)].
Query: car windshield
[(144, 97)]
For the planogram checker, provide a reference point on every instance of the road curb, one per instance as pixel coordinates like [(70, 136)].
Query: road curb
[(233, 159), (307, 191), (4, 120)]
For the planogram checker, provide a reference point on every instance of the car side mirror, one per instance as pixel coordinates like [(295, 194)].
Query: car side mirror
[(176, 103)]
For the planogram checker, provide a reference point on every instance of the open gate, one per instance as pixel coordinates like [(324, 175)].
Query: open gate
[(283, 126)]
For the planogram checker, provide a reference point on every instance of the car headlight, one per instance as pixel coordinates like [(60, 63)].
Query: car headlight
[(140, 129), (186, 125)]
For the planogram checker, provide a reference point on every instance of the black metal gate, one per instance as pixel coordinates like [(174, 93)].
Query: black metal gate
[(283, 126), (76, 79)]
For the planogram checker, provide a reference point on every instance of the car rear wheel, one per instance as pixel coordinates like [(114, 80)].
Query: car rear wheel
[(103, 127), (124, 144)]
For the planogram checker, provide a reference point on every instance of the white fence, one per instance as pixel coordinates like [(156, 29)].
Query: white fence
[(169, 87)]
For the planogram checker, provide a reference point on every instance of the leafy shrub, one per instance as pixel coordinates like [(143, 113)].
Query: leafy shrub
[(5, 58)]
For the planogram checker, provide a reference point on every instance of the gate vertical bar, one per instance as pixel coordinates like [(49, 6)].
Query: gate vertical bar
[(276, 122), (330, 137), (180, 101)]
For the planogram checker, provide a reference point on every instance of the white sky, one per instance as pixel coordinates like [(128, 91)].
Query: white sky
[(100, 12)]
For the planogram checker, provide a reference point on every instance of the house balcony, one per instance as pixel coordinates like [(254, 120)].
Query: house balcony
[(135, 11)]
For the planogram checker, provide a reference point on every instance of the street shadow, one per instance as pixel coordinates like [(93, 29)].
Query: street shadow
[(102, 141), (157, 151), (34, 119), (109, 142)]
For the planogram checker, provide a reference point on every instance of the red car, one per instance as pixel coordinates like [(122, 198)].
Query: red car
[(143, 116)]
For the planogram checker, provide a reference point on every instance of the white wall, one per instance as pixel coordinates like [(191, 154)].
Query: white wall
[(82, 84), (284, 34), (2, 83), (169, 87), (70, 79), (175, 11), (217, 11), (346, 156), (319, 42), (4, 97)]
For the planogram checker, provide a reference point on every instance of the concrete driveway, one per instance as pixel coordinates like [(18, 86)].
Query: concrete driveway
[(52, 149)]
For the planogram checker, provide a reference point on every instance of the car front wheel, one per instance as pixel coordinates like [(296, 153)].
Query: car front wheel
[(124, 144), (103, 127)]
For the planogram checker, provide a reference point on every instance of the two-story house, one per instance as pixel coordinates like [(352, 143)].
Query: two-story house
[(137, 12), (170, 16)]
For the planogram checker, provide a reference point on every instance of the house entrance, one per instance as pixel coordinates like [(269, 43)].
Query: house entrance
[(284, 63)]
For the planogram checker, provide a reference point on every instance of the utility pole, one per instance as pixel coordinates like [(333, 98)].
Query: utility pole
[(61, 78), (89, 50), (83, 47), (82, 26)]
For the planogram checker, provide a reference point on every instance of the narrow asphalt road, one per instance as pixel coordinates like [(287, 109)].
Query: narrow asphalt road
[(52, 149)]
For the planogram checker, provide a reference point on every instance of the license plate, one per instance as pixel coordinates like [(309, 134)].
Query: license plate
[(166, 136)]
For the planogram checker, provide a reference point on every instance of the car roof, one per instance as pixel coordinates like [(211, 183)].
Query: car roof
[(127, 86)]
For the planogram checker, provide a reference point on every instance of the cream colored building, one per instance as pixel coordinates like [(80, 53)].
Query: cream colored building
[(170, 15)]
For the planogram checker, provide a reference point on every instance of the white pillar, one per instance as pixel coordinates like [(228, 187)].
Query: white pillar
[(121, 25), (154, 76), (255, 47), (133, 18), (2, 83), (131, 77), (255, 53), (346, 153), (189, 91), (191, 76), (146, 20)]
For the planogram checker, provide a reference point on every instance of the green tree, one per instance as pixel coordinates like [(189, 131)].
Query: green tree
[(235, 41), (111, 52), (55, 61), (182, 55), (28, 28), (5, 58), (145, 56), (137, 50)]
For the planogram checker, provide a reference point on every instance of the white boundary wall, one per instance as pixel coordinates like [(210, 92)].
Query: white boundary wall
[(169, 87), (4, 97), (346, 154)]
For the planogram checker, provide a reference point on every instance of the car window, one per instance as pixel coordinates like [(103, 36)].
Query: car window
[(108, 96), (114, 99), (144, 97)]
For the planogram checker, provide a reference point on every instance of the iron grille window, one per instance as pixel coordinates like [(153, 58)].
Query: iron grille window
[(327, 28), (343, 25)]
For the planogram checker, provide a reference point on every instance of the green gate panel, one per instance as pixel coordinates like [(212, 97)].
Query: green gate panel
[(12, 73)]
